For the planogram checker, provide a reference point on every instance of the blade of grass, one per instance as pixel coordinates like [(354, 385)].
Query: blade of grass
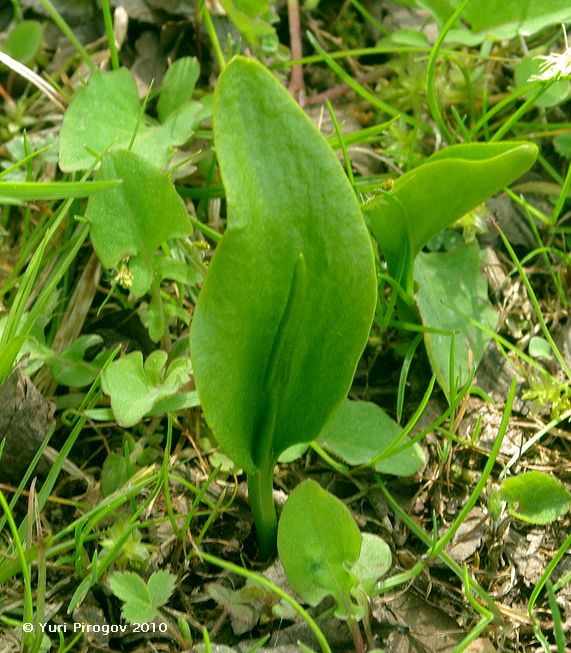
[(563, 196), (341, 141), (27, 638), (363, 92), (517, 114), (68, 33), (426, 538), (207, 18), (56, 190), (533, 299), (431, 77), (481, 484), (486, 615), (404, 374), (108, 20), (258, 578)]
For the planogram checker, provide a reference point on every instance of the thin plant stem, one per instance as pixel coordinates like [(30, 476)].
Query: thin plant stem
[(342, 144), (260, 485), (483, 122), (561, 551), (370, 18), (424, 537), (166, 479), (431, 77), (207, 18), (486, 615), (516, 115), (108, 20), (297, 84)]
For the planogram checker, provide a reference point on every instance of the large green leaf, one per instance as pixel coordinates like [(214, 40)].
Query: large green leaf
[(132, 220), (429, 198), (106, 115), (318, 542), (288, 301), (452, 289)]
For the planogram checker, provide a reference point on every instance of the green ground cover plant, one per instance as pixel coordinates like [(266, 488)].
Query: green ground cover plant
[(211, 318)]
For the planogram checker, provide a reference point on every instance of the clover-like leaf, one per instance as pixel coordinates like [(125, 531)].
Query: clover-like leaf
[(134, 388), (131, 220), (106, 115), (141, 599)]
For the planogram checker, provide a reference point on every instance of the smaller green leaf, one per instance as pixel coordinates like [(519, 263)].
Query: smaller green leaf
[(168, 268), (374, 561), (562, 144), (360, 431), (154, 365), (138, 612), (113, 473), (432, 196), (318, 541), (155, 144), (535, 497), (161, 585), (141, 599), (446, 299), (178, 86), (250, 17), (540, 348), (24, 40), (134, 389), (129, 586), (69, 367), (101, 115), (293, 453)]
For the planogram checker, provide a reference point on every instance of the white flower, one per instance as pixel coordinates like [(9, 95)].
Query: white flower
[(556, 65)]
